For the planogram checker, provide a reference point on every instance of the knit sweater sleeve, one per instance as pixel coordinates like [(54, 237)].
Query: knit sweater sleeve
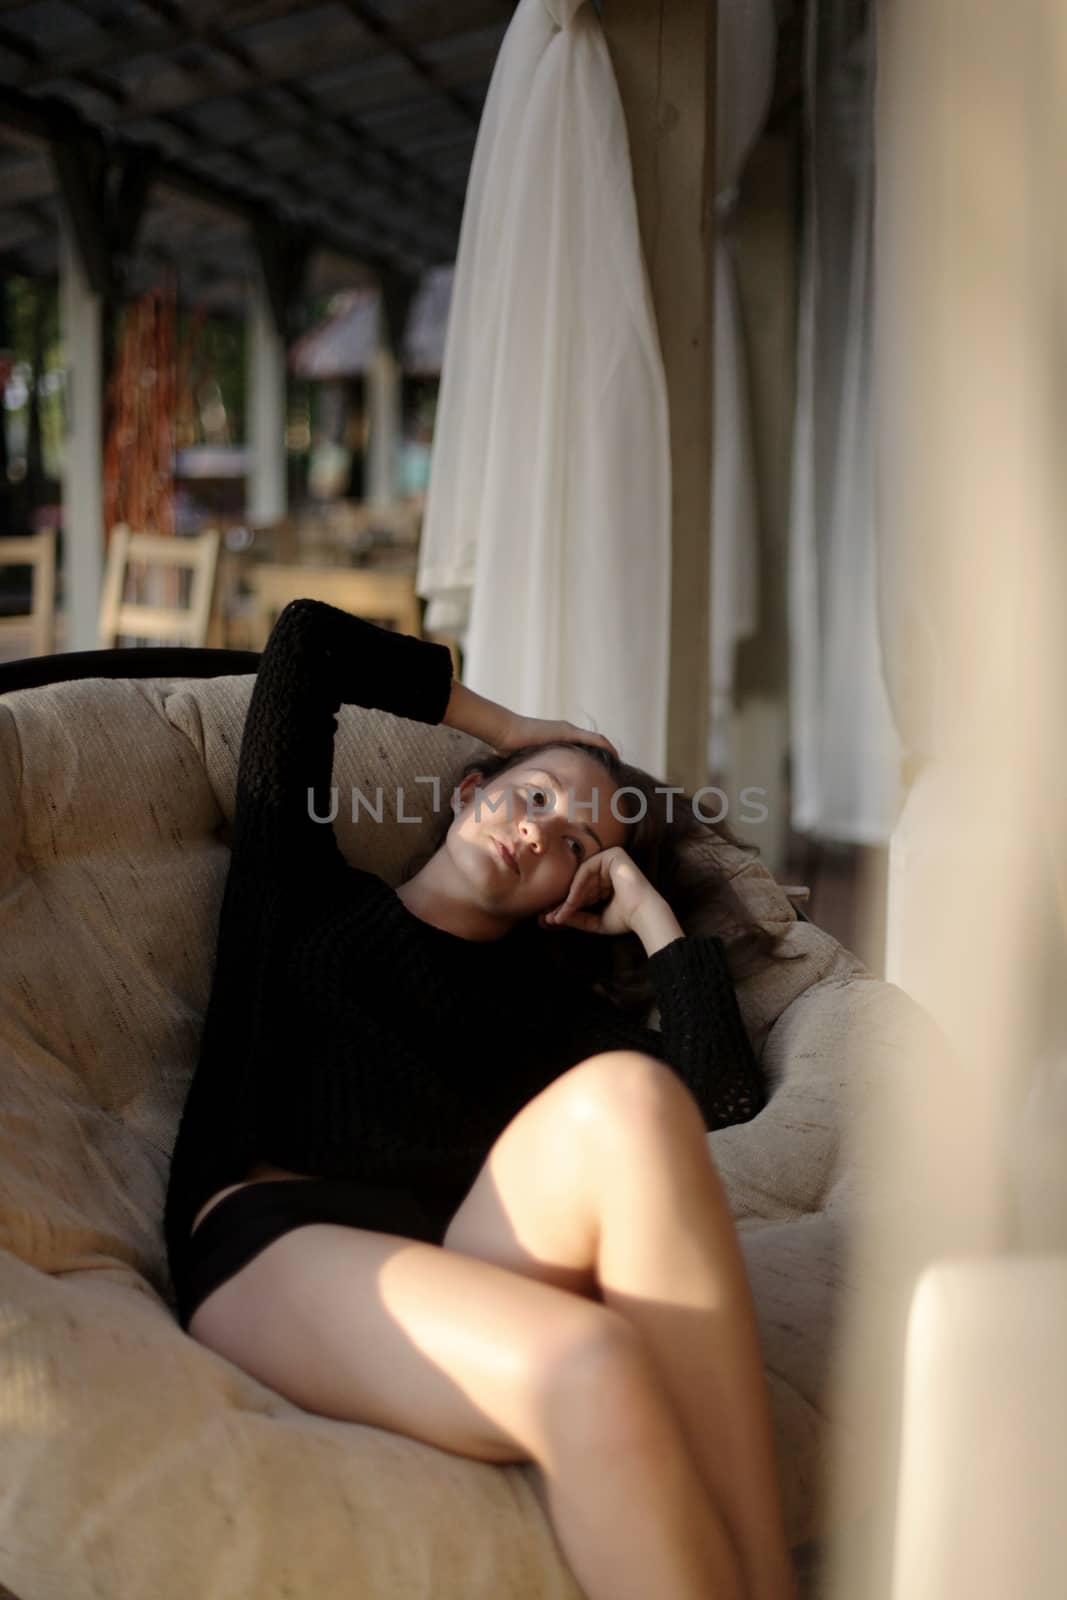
[(316, 659), (284, 866), (702, 1034)]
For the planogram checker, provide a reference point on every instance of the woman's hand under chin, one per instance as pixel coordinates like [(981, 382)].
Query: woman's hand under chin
[(611, 875)]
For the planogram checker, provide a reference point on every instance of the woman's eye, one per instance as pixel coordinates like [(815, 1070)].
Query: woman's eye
[(539, 797)]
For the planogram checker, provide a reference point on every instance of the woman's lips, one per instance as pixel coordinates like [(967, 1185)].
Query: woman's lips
[(508, 857)]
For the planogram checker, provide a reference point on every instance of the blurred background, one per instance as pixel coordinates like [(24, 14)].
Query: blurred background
[(268, 197)]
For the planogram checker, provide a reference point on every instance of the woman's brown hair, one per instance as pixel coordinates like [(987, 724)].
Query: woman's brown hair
[(674, 848)]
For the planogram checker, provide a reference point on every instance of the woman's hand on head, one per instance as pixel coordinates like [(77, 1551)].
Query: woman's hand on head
[(611, 875), (504, 730), (518, 732)]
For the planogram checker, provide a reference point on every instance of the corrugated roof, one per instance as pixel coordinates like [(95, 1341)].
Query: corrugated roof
[(351, 123)]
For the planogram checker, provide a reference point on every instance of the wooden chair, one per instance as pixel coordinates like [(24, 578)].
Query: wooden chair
[(39, 552), (173, 624), (379, 596)]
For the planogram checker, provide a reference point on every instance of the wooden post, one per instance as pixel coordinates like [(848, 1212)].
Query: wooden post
[(384, 390), (663, 52), (383, 406), (83, 482), (267, 489)]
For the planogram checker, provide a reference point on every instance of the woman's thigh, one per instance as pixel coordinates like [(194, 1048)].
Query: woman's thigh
[(535, 1206), (370, 1327)]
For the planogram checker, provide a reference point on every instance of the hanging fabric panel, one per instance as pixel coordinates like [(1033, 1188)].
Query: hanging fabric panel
[(747, 39), (546, 541), (845, 750)]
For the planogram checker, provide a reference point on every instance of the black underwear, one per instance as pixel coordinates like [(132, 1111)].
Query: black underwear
[(242, 1224)]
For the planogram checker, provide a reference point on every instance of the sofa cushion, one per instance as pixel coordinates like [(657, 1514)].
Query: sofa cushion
[(111, 880)]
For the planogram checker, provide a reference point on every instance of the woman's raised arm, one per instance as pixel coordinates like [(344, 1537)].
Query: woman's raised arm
[(317, 659)]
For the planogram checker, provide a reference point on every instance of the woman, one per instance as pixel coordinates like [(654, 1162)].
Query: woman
[(427, 1179)]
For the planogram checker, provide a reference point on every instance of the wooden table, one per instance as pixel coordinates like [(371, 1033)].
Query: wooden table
[(386, 596)]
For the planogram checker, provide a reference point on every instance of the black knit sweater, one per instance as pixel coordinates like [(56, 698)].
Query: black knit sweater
[(345, 1036)]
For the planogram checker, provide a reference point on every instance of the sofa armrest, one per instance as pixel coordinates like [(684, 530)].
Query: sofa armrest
[(824, 1058)]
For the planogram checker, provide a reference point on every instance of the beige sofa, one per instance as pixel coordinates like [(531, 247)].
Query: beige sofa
[(136, 1463)]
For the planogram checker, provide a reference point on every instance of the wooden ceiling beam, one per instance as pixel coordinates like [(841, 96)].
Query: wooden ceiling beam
[(121, 43), (439, 209), (283, 61), (211, 33), (46, 119), (175, 89), (302, 197), (438, 206), (394, 39), (357, 144)]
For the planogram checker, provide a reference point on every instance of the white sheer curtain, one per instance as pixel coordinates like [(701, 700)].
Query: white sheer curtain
[(845, 750), (955, 1341), (546, 542), (747, 37)]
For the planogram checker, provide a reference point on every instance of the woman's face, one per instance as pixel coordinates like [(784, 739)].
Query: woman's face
[(548, 815)]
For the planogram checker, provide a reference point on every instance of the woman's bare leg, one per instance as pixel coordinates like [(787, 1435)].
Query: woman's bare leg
[(372, 1328), (670, 1262), (631, 1511), (605, 1180)]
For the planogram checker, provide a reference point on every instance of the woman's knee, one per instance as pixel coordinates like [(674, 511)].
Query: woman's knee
[(599, 1383), (626, 1091)]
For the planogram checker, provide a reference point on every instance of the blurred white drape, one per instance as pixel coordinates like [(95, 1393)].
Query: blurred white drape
[(747, 39), (845, 749), (951, 1359), (546, 541)]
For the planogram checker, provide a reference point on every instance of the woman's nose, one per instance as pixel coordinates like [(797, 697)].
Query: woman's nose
[(530, 831), (533, 831)]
